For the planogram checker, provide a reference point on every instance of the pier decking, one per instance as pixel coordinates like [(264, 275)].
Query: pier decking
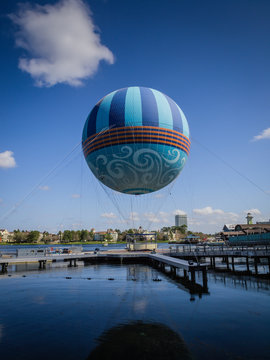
[(227, 253), (162, 260), (187, 278)]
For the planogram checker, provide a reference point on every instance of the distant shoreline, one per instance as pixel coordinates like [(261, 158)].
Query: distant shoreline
[(73, 243)]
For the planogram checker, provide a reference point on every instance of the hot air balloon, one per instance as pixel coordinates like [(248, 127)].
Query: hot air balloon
[(136, 140)]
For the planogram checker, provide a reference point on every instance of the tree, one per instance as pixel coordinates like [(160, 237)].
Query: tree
[(19, 236), (84, 235), (46, 237), (108, 237), (183, 229), (91, 234), (33, 236), (60, 235), (73, 235), (67, 236)]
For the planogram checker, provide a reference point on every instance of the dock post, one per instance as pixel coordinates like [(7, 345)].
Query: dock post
[(269, 264), (204, 275), (173, 270), (75, 263), (4, 267), (247, 263), (42, 264), (192, 275), (232, 263), (214, 262), (185, 274), (256, 265), (227, 262)]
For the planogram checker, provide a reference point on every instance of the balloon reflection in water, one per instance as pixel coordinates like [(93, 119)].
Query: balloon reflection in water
[(140, 340)]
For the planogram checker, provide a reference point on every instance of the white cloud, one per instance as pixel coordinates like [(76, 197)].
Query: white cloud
[(253, 211), (164, 217), (76, 225), (151, 217), (215, 216), (75, 196), (208, 210), (134, 216), (265, 134), (62, 42), (192, 221), (44, 188), (159, 195), (160, 217), (110, 215), (179, 212), (7, 160)]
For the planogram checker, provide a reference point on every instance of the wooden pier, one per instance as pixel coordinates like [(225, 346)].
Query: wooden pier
[(228, 255), (157, 259)]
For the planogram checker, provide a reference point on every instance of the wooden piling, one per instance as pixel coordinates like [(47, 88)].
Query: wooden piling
[(227, 262), (256, 264), (247, 263), (192, 272), (4, 267), (204, 275), (232, 263)]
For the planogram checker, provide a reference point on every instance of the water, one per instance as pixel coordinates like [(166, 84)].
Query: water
[(62, 312)]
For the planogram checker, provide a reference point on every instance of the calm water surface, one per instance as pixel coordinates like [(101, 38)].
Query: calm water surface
[(61, 312)]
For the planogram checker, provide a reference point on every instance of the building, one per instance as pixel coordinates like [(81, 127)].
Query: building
[(4, 235), (99, 235), (263, 222), (248, 234), (104, 235), (180, 220), (228, 227), (114, 235)]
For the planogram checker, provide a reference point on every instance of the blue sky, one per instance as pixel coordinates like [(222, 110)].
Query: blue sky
[(58, 58)]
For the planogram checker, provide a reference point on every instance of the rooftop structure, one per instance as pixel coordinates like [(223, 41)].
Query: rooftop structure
[(249, 218), (142, 241), (263, 222)]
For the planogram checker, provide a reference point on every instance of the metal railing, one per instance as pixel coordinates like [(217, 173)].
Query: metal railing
[(223, 250)]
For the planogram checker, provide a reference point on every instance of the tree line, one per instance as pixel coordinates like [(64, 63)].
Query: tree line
[(66, 236)]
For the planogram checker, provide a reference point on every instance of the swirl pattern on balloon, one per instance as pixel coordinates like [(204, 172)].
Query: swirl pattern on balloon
[(128, 165)]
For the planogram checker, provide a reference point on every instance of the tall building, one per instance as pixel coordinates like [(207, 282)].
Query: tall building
[(180, 220)]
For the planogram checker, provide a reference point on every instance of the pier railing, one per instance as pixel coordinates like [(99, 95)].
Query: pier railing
[(222, 250)]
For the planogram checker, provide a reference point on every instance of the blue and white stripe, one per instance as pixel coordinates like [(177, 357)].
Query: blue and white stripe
[(135, 106)]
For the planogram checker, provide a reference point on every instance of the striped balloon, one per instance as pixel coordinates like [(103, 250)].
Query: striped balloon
[(136, 140)]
